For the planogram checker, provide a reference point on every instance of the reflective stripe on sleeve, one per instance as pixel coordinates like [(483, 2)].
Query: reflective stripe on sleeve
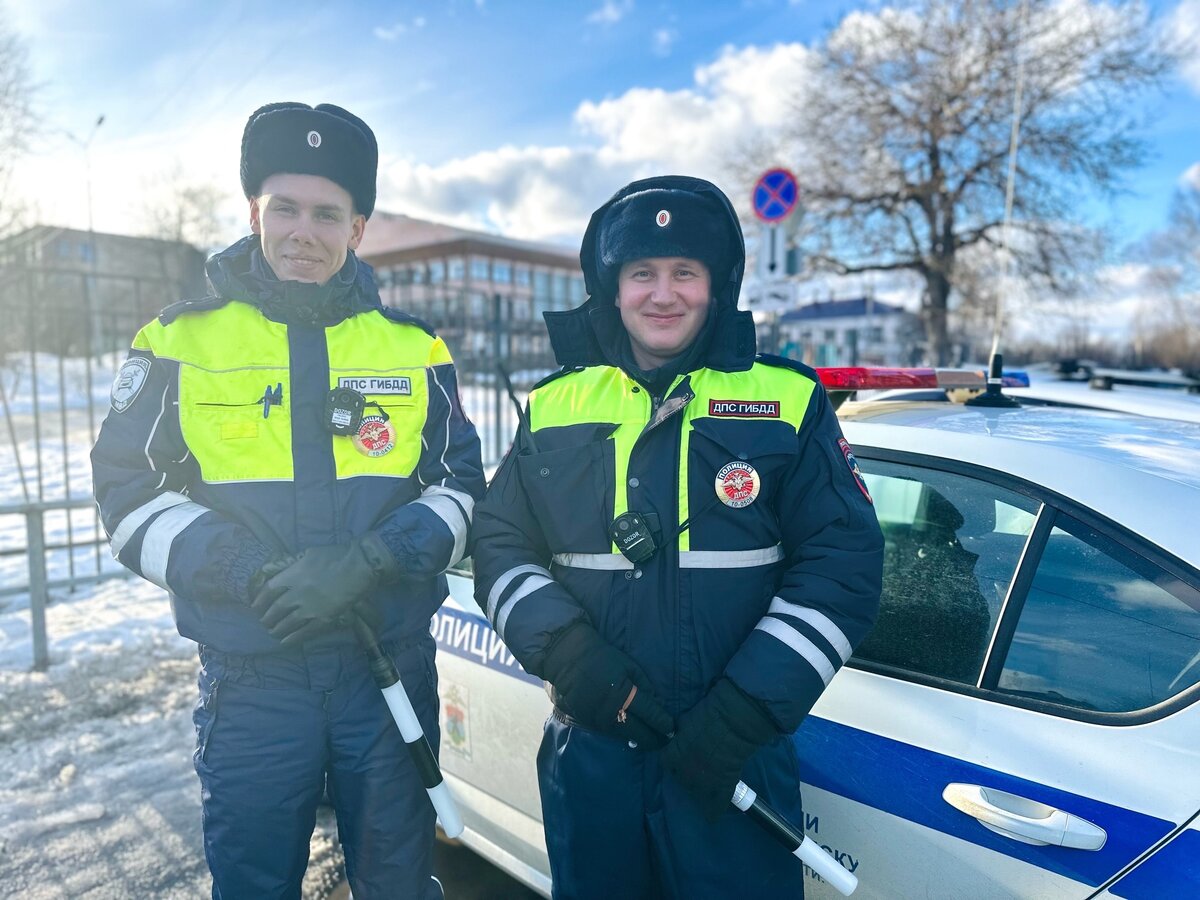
[(606, 562), (729, 559), (137, 518), (156, 545), (807, 650), (454, 509), (501, 585), (819, 621), (688, 559), (531, 584)]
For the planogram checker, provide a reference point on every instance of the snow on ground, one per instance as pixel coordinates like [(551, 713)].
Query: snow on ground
[(98, 798)]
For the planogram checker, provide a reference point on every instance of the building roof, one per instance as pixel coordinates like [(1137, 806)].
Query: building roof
[(841, 309), (394, 238), (41, 235)]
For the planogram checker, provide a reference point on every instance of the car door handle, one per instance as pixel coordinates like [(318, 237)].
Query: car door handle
[(1024, 820)]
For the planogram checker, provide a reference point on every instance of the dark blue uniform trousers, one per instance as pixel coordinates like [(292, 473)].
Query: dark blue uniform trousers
[(618, 825), (272, 730)]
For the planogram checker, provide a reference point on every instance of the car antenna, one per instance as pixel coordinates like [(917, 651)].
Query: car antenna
[(994, 396)]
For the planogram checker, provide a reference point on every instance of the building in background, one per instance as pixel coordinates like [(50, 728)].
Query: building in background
[(485, 294), (857, 332), (70, 291)]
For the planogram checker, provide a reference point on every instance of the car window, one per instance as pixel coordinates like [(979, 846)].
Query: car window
[(952, 544), (1102, 628)]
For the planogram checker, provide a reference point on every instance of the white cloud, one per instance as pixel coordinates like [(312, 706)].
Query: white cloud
[(1191, 177), (391, 33), (740, 94), (610, 13), (536, 193), (548, 193), (663, 40), (1184, 26)]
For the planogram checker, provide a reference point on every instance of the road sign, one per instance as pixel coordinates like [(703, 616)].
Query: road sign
[(775, 195), (772, 253)]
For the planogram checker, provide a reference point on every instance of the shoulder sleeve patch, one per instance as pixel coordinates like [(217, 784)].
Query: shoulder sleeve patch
[(129, 382), (848, 454)]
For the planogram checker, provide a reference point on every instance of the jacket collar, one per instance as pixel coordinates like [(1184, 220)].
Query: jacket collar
[(240, 272)]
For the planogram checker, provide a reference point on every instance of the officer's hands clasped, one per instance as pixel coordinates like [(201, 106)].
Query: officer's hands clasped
[(714, 740), (604, 689), (301, 595)]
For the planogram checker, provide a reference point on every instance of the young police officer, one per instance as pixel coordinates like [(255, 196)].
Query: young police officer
[(280, 456), (680, 545)]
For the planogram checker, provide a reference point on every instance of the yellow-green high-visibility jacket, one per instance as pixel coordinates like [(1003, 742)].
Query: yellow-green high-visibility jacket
[(216, 456), (770, 558)]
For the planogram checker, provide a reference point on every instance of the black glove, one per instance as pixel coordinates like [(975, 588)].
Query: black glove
[(303, 594), (603, 688), (714, 739)]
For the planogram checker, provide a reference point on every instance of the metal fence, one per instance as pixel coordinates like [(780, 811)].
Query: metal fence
[(64, 333)]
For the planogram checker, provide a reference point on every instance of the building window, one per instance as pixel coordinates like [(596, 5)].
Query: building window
[(577, 290), (521, 276), (437, 271), (479, 269), (456, 268), (501, 271)]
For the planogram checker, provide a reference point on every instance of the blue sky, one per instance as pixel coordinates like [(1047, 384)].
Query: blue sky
[(509, 116)]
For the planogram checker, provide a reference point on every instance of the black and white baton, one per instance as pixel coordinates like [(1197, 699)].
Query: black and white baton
[(803, 848), (388, 680)]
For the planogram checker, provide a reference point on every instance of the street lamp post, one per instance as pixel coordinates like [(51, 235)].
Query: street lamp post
[(87, 167)]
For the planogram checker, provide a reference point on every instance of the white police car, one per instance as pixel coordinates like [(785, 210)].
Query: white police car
[(1161, 394), (1022, 722)]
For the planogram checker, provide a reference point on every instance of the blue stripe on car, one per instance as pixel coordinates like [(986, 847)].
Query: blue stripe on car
[(1173, 873), (909, 784)]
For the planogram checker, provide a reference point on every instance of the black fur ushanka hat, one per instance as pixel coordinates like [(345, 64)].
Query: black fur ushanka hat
[(324, 140)]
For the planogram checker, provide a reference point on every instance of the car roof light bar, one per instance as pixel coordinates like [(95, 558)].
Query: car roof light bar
[(863, 378), (870, 378)]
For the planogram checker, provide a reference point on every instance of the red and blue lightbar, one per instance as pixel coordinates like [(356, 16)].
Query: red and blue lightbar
[(871, 378)]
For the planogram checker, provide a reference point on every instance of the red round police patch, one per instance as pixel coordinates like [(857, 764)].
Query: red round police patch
[(738, 484), (375, 436)]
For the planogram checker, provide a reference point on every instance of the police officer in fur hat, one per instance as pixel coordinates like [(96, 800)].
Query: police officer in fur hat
[(280, 456), (679, 544)]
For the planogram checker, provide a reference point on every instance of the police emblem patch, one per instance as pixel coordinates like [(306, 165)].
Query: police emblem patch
[(663, 219), (848, 454), (129, 382), (738, 484), (314, 139), (375, 436)]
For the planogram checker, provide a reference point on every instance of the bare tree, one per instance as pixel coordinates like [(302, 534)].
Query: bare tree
[(901, 136), (1167, 326), (184, 210), (17, 121)]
